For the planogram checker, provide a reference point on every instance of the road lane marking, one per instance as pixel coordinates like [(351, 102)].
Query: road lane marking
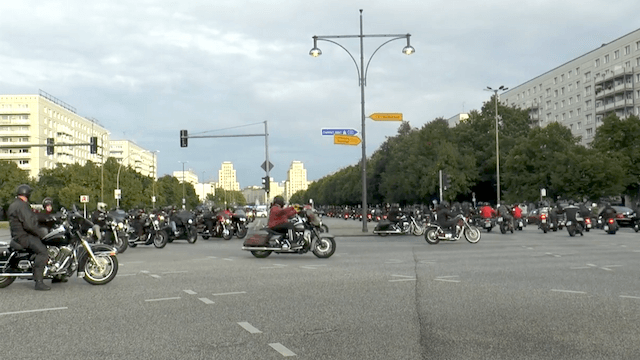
[(312, 267), (405, 278), (163, 299), (190, 292), (32, 311), (568, 291), (155, 276), (630, 297), (282, 349), (206, 301), (173, 272), (447, 278), (227, 259), (230, 293), (252, 330), (275, 266), (397, 280)]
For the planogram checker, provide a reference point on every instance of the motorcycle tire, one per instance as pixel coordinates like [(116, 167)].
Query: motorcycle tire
[(324, 228), (205, 237), (636, 228), (161, 239), (132, 245), (261, 254), (121, 244), (418, 231), (6, 281), (227, 235), (431, 237), (472, 234), (571, 231), (324, 247), (102, 273), (242, 232), (192, 237), (503, 229)]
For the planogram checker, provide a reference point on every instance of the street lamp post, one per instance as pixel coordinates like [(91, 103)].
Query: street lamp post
[(495, 91), (362, 79), (184, 199), (118, 181), (155, 178)]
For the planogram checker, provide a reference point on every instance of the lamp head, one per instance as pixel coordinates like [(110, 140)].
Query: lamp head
[(408, 50), (315, 52)]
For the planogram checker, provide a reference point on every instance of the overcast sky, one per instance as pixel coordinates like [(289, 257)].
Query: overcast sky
[(146, 69)]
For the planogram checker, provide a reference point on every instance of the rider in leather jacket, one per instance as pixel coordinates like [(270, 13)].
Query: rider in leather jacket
[(445, 216), (23, 224)]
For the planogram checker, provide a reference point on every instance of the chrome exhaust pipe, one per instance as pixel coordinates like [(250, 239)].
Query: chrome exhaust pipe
[(16, 274), (262, 248)]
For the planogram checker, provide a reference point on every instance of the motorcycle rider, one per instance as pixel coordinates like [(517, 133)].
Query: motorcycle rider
[(608, 212), (395, 214), (505, 212), (23, 223), (279, 220), (444, 216), (98, 218), (487, 211), (572, 212), (45, 217)]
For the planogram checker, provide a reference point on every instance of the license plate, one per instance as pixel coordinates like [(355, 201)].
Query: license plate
[(606, 228), (568, 223), (499, 219), (544, 221)]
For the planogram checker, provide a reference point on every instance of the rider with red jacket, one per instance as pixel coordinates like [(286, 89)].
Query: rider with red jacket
[(487, 211), (279, 219)]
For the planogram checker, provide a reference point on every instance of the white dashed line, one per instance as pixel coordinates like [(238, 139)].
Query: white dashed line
[(245, 325), (568, 291), (155, 276), (206, 301), (190, 292), (447, 278), (405, 278), (163, 299), (32, 311), (630, 297), (230, 293), (173, 272), (282, 349)]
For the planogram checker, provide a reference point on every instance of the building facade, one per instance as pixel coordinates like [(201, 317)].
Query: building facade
[(27, 121), (127, 153), (227, 177), (188, 176), (296, 179), (581, 92)]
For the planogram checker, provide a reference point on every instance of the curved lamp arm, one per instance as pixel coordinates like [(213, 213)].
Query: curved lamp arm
[(371, 57), (352, 58)]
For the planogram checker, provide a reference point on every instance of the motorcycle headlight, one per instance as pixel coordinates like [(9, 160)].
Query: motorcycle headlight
[(190, 221), (90, 232), (161, 218), (120, 226)]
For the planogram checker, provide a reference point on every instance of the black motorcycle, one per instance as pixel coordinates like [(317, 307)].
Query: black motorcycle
[(69, 252), (115, 230), (575, 227), (153, 231), (185, 222), (239, 225)]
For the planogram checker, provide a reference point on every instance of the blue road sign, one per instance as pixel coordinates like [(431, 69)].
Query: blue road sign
[(339, 132)]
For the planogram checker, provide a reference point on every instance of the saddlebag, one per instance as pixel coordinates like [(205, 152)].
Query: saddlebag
[(256, 240), (383, 225)]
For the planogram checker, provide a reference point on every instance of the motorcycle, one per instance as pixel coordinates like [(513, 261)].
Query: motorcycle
[(544, 223), (221, 228), (519, 224), (435, 233), (185, 227), (488, 224), (69, 251), (153, 231), (575, 227), (610, 226), (505, 225), (406, 225), (115, 230), (321, 244), (238, 225)]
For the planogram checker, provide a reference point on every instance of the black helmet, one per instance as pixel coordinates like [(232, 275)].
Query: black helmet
[(24, 190), (47, 201), (278, 200)]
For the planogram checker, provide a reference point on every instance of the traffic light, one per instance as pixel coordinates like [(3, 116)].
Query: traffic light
[(266, 183), (93, 146), (445, 181), (184, 138), (49, 146)]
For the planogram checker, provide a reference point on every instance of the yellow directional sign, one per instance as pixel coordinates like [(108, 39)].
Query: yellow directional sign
[(386, 116), (346, 139)]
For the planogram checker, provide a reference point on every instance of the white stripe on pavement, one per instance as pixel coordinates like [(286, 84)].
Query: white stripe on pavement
[(206, 301), (163, 299), (230, 293), (32, 311), (190, 292), (282, 349), (630, 297), (568, 291), (245, 325)]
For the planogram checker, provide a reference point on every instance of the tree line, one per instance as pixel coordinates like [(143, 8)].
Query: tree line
[(405, 168)]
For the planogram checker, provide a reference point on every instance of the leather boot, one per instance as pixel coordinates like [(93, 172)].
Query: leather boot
[(40, 285)]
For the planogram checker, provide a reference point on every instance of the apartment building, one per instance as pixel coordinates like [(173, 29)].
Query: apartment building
[(227, 177), (581, 92), (27, 121), (128, 153), (296, 179)]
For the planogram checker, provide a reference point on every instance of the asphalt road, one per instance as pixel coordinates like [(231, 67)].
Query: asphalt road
[(526, 295)]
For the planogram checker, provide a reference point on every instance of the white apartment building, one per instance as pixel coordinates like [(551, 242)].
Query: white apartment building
[(296, 179), (27, 121), (227, 177), (127, 153), (188, 176), (581, 92)]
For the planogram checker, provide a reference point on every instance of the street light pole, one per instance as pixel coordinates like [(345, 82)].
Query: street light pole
[(362, 79), (155, 178), (184, 200), (495, 92)]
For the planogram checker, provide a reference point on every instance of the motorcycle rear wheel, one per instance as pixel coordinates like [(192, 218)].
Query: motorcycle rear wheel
[(472, 234), (431, 237), (418, 230), (6, 281), (261, 254)]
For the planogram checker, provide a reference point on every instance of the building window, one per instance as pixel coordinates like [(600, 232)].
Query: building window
[(589, 118), (555, 93), (587, 90), (597, 63), (555, 106), (562, 104), (549, 91), (589, 132), (577, 71), (616, 54), (561, 77), (627, 64), (606, 59), (555, 80), (588, 105), (627, 50), (570, 100), (638, 45), (569, 74), (562, 91), (578, 111), (548, 105)]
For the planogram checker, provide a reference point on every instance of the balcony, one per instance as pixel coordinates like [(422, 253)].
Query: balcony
[(15, 122)]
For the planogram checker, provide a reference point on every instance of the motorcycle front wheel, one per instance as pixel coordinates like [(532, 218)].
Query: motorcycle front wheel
[(227, 234), (192, 236), (324, 247), (102, 271), (431, 237), (160, 240), (418, 230), (121, 242), (6, 281), (242, 232), (472, 234)]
